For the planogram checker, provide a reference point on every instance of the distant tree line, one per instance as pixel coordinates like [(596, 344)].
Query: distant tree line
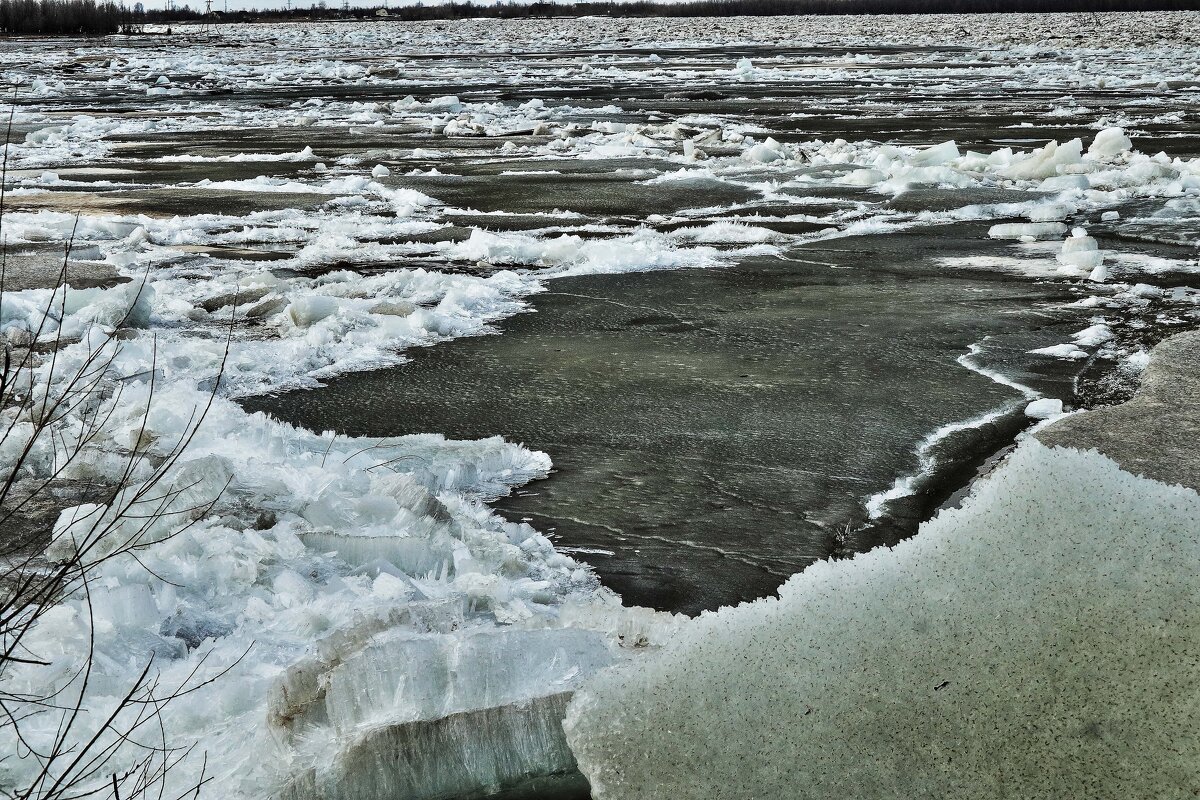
[(91, 18), (706, 8), (184, 13), (70, 17), (87, 17)]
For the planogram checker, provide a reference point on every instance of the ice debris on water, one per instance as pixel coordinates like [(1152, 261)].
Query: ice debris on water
[(276, 538), (337, 568), (1081, 254), (271, 538)]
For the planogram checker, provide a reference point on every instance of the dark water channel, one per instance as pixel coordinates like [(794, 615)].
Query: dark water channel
[(714, 431)]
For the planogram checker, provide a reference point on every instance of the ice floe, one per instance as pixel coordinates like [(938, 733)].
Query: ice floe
[(1005, 648)]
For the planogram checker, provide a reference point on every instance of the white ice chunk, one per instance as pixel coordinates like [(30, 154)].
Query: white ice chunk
[(863, 177), (1081, 252), (766, 152), (1093, 335), (1049, 212), (1067, 351), (1110, 142), (1031, 230), (305, 310), (1062, 183), (1044, 408), (744, 70), (935, 156), (1045, 162)]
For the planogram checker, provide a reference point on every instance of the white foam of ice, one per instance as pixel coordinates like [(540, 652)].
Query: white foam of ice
[(927, 461)]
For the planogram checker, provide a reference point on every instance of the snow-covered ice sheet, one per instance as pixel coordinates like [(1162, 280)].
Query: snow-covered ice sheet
[(1038, 642)]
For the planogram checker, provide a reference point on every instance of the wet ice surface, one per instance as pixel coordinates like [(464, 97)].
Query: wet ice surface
[(779, 314)]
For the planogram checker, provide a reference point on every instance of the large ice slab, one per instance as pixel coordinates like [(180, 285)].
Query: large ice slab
[(458, 715), (1039, 642)]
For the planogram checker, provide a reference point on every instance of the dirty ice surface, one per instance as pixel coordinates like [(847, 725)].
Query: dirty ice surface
[(1004, 651), (350, 192)]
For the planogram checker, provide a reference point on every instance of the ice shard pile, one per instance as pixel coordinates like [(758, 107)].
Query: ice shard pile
[(358, 605)]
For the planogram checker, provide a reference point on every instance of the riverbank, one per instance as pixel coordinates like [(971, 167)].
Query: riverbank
[(1157, 432)]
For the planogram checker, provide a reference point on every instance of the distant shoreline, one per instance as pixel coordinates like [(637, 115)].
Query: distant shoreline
[(108, 18), (635, 8), (705, 8)]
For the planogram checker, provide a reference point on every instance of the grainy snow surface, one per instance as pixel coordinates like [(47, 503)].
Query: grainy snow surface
[(1040, 642), (350, 191)]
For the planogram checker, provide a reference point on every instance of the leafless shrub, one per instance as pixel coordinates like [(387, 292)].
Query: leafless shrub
[(53, 411)]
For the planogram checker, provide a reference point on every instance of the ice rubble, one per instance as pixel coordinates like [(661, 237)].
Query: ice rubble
[(1093, 336), (382, 552), (279, 537), (304, 155), (1038, 642), (570, 254), (77, 310)]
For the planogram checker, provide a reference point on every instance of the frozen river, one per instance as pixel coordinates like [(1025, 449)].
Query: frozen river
[(756, 292)]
